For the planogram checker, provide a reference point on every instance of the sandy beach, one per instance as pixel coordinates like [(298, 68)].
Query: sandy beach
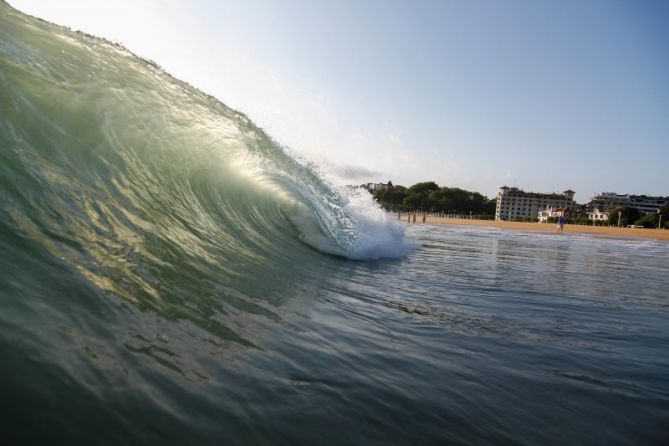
[(658, 234)]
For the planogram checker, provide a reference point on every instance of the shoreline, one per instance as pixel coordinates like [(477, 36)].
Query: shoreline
[(609, 231)]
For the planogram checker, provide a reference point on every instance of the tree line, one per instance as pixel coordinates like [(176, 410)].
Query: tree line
[(430, 197), (624, 216), (631, 216)]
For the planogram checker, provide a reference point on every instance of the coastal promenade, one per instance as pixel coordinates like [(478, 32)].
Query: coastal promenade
[(658, 234)]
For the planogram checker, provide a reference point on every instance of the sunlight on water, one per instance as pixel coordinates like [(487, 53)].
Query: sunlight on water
[(170, 275)]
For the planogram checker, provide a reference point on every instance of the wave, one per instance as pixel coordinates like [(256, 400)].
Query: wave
[(111, 167)]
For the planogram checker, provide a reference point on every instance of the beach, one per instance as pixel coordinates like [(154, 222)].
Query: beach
[(609, 231)]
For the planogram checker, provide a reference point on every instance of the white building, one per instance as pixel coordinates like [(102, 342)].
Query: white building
[(597, 215), (607, 201), (516, 204), (373, 187), (550, 213)]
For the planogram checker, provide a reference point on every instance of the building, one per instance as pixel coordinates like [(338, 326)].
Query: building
[(373, 187), (597, 215), (607, 201), (516, 204), (647, 205), (551, 213)]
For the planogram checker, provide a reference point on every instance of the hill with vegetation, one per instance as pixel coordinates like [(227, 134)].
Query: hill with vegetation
[(430, 197)]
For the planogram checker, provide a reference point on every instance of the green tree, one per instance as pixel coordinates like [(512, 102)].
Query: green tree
[(417, 195), (456, 200), (429, 196), (414, 201), (390, 198), (420, 188), (652, 220), (628, 215), (490, 207), (648, 221), (664, 212)]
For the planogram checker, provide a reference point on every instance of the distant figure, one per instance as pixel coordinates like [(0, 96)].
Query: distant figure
[(398, 215), (414, 218), (408, 218), (560, 223), (423, 218)]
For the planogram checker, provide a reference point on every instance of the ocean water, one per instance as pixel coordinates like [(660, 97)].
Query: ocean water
[(170, 275)]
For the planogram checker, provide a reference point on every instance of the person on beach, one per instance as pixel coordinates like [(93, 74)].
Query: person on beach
[(414, 218), (423, 218), (560, 224), (408, 218)]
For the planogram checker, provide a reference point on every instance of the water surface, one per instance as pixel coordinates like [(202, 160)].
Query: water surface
[(171, 275)]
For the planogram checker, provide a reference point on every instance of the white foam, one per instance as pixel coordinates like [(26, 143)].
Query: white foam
[(377, 235), (369, 233)]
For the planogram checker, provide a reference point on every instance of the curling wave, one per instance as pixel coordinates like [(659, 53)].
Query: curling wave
[(115, 175), (105, 153)]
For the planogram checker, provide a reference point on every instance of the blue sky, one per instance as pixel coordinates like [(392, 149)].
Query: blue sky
[(543, 95)]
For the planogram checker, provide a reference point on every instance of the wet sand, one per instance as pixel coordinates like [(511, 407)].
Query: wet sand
[(658, 234)]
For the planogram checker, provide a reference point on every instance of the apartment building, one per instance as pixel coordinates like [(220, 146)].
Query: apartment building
[(607, 201), (516, 204), (647, 205)]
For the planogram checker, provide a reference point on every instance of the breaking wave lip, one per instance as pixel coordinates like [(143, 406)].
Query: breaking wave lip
[(370, 233), (119, 123)]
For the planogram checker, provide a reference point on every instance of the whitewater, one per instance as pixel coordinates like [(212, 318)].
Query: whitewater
[(169, 273)]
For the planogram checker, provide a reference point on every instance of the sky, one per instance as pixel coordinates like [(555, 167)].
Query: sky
[(541, 95)]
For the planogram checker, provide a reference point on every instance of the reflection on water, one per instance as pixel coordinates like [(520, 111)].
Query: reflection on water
[(480, 336)]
